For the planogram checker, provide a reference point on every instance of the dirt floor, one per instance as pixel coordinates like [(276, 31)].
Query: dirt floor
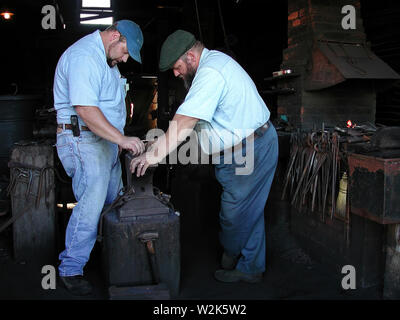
[(291, 273)]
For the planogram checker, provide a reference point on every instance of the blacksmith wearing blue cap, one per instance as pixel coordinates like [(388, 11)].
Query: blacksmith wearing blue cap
[(89, 89), (223, 101)]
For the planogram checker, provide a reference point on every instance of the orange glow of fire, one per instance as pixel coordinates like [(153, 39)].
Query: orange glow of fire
[(350, 124), (132, 106), (7, 15)]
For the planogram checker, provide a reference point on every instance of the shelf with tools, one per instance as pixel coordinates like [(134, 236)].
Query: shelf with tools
[(282, 77), (276, 91)]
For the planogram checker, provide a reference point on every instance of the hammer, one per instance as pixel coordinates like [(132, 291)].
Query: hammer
[(147, 239)]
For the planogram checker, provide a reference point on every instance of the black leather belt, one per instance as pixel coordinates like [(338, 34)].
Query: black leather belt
[(67, 126), (259, 132)]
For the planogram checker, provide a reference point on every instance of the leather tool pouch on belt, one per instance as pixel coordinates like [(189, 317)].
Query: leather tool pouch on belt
[(75, 126)]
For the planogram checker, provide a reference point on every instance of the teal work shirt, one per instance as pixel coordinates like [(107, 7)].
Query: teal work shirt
[(84, 78), (226, 100)]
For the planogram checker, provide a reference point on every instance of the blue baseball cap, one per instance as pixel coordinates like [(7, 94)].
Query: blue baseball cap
[(134, 37)]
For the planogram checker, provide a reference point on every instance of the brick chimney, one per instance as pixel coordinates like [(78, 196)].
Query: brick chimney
[(333, 70)]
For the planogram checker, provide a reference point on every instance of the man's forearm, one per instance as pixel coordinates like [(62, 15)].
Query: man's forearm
[(98, 124), (161, 148), (178, 131)]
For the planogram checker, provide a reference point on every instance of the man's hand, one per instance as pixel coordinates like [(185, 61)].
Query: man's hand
[(165, 144), (133, 144), (140, 164), (99, 125)]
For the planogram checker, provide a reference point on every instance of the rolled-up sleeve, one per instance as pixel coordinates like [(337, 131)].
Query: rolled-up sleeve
[(204, 95), (84, 81)]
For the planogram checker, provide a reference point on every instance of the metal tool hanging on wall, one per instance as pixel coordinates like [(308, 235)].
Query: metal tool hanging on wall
[(311, 177)]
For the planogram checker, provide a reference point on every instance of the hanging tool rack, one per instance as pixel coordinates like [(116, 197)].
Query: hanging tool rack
[(311, 178)]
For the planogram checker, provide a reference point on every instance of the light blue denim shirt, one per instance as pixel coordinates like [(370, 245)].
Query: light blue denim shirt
[(226, 101), (84, 78)]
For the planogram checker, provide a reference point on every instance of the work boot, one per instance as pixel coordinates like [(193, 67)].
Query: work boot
[(236, 276), (77, 285), (228, 262)]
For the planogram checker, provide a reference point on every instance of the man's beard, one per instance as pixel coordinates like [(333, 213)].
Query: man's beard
[(188, 77), (110, 62), (109, 59)]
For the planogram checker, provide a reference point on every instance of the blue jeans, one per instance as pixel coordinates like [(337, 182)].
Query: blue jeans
[(242, 203), (95, 169)]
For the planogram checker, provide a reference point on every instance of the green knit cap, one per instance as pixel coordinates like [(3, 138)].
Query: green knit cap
[(175, 46)]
